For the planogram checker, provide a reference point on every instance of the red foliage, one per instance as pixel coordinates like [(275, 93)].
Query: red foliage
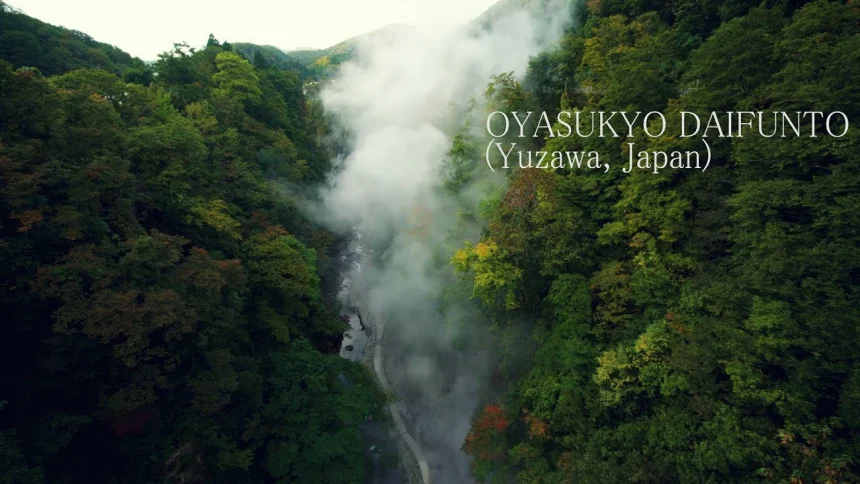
[(486, 440)]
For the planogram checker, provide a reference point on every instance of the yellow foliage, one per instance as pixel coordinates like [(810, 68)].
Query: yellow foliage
[(460, 261), (492, 274), (214, 214), (622, 371), (484, 250)]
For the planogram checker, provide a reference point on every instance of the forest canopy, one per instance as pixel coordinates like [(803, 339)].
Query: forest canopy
[(167, 310), (681, 326), (164, 317)]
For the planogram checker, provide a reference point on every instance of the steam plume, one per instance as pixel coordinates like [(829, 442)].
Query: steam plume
[(396, 101)]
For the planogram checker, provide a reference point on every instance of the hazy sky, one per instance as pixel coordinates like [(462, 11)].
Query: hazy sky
[(146, 28)]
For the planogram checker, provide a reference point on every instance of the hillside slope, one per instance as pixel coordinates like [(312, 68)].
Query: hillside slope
[(273, 56), (26, 41)]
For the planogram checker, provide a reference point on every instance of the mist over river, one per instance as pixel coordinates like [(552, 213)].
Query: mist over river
[(400, 103)]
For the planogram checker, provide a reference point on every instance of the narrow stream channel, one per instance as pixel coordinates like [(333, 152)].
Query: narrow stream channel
[(363, 343), (355, 338)]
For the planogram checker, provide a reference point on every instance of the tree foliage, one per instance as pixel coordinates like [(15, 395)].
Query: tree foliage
[(161, 294), (685, 326), (28, 42)]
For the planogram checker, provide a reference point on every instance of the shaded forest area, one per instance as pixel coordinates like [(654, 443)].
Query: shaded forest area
[(685, 326), (163, 317)]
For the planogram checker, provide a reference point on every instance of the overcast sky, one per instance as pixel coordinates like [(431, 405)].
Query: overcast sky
[(145, 28)]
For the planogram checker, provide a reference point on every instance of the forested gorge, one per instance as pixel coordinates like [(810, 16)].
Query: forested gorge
[(162, 310), (167, 301), (684, 326)]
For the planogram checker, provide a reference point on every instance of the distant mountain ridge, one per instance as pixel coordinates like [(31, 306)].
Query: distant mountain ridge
[(315, 64), (320, 64), (348, 46)]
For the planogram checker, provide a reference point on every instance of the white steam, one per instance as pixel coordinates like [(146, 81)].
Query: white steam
[(396, 100)]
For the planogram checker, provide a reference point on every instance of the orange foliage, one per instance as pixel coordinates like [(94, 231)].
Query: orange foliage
[(27, 219), (538, 429)]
